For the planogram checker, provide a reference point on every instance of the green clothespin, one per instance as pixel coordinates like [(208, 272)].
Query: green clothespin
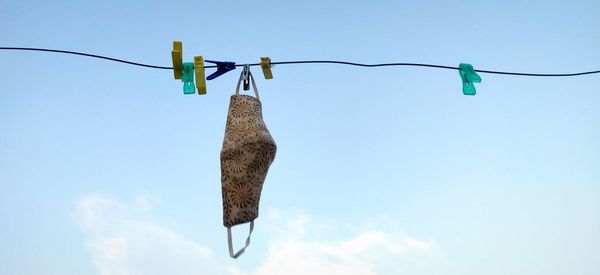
[(468, 76), (188, 78)]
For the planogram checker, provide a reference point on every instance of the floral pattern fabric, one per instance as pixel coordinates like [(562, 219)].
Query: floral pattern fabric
[(248, 151)]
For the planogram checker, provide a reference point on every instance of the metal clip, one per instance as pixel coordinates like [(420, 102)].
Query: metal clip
[(246, 77)]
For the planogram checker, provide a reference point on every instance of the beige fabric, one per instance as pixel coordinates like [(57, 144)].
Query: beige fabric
[(248, 151)]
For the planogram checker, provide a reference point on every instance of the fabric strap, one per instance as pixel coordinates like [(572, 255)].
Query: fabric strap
[(237, 89), (241, 251)]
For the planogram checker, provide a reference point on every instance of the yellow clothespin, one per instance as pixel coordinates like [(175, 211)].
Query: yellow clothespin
[(200, 79), (177, 55), (265, 64)]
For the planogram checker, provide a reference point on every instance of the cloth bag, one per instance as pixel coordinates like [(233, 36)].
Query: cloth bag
[(248, 151)]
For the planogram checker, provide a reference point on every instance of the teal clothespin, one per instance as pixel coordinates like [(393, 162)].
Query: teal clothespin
[(188, 78), (468, 76)]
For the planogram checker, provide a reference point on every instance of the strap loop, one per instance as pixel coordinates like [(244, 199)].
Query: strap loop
[(241, 251)]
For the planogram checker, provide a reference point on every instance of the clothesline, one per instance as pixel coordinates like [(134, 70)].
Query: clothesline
[(307, 62)]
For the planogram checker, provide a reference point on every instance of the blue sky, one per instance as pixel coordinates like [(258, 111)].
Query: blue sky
[(107, 168)]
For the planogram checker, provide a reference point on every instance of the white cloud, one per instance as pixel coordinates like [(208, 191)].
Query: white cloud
[(123, 239), (368, 252)]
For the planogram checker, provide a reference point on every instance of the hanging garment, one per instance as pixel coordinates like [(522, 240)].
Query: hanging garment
[(248, 151)]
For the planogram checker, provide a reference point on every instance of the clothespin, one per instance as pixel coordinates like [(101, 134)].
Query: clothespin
[(265, 64), (177, 56), (468, 76), (199, 69), (246, 77), (222, 68), (188, 78)]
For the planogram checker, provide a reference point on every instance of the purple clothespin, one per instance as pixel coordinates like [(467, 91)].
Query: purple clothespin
[(222, 68)]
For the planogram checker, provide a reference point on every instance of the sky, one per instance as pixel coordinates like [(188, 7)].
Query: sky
[(109, 169)]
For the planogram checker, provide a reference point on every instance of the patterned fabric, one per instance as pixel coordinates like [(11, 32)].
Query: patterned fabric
[(248, 151)]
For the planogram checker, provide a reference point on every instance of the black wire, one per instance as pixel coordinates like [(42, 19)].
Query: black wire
[(364, 65), (431, 66), (301, 62), (86, 54), (529, 74)]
